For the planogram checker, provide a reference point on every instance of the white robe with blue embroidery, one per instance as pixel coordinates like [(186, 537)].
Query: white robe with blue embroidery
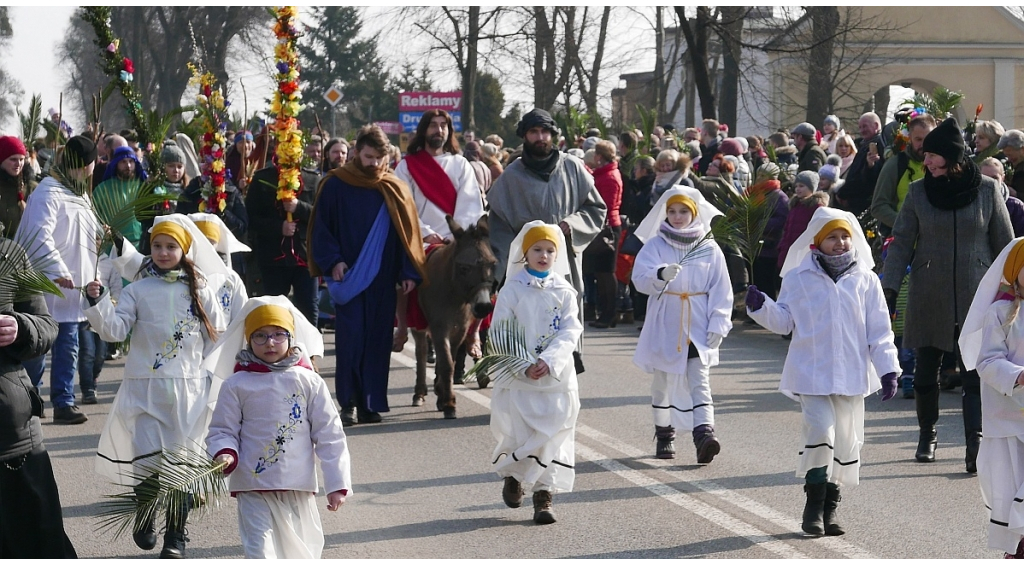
[(165, 398), (534, 421)]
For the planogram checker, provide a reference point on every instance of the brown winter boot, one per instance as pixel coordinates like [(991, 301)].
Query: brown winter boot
[(666, 447), (542, 514), (706, 443), (512, 492)]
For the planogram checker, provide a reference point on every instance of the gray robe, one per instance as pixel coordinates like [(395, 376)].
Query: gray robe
[(923, 238), (519, 196)]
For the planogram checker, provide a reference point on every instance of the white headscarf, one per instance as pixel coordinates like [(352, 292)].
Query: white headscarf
[(970, 335), (802, 246), (191, 160), (221, 359), (649, 227), (200, 252), (517, 259), (226, 243)]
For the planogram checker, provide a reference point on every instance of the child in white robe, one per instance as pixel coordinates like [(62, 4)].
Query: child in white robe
[(229, 288), (163, 401), (688, 314), (533, 413), (993, 342), (832, 303), (274, 418)]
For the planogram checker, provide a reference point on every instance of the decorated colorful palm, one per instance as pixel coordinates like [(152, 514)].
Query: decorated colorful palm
[(286, 105), (506, 355), (210, 107), (175, 482)]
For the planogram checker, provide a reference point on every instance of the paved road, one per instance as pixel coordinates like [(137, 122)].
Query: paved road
[(424, 487)]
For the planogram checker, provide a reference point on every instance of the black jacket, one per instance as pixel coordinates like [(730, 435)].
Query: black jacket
[(858, 190), (811, 158), (268, 245), (234, 216), (20, 404)]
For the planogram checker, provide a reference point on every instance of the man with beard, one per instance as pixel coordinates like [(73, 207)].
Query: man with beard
[(121, 181), (546, 185), (443, 183), (365, 239), (897, 173), (16, 182), (337, 155)]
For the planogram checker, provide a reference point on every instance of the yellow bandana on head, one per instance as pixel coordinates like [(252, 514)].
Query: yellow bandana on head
[(210, 229), (540, 233), (175, 231), (1014, 263), (269, 315), (830, 227), (685, 200)]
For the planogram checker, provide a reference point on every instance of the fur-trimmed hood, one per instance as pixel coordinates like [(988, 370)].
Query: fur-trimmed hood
[(817, 199), (787, 150)]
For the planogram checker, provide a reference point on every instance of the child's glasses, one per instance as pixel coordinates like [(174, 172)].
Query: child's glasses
[(261, 338)]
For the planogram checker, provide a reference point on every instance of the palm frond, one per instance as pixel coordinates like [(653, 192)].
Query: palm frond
[(168, 484), (746, 218), (127, 202), (22, 270), (31, 120), (506, 354)]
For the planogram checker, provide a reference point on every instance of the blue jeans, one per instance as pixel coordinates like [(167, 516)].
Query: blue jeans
[(62, 373), (92, 352)]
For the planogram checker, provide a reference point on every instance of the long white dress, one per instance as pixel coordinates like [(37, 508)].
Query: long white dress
[(534, 421), (164, 399)]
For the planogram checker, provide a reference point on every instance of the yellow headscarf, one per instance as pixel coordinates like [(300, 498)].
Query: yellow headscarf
[(540, 233), (686, 201), (1014, 263), (268, 315), (210, 229), (175, 231), (830, 227)]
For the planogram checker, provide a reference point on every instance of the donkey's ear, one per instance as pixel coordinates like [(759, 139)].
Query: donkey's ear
[(483, 227), (457, 230)]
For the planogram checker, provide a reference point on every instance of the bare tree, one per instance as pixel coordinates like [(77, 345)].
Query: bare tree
[(696, 34)]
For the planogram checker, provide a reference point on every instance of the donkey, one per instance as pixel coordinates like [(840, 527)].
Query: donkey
[(461, 279)]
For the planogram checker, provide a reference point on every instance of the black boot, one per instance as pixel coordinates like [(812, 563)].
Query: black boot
[(666, 446), (542, 513), (814, 510), (832, 499), (972, 427), (607, 315), (706, 442), (144, 531), (926, 399), (512, 492), (175, 535)]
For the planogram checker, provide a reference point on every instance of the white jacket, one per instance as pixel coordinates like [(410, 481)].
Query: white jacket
[(672, 319), (842, 341), (469, 204), (1000, 361), (58, 230), (546, 310), (230, 292), (275, 422), (168, 340)]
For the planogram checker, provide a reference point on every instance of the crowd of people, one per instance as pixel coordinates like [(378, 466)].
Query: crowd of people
[(898, 232)]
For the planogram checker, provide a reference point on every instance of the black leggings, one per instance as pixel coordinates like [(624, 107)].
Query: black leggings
[(926, 389)]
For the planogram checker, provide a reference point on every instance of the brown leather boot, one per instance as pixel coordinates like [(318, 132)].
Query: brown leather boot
[(542, 513), (512, 492)]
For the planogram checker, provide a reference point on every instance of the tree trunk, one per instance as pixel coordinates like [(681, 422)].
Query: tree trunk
[(732, 27), (691, 95), (469, 74), (659, 65), (697, 46), (824, 21)]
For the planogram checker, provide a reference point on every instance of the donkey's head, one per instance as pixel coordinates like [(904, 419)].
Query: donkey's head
[(473, 266)]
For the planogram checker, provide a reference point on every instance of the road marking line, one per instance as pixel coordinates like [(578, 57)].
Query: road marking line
[(782, 521)]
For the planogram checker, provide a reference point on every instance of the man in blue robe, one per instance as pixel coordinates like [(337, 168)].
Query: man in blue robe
[(365, 240)]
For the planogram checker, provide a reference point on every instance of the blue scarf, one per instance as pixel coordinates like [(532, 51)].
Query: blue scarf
[(359, 275), (538, 274)]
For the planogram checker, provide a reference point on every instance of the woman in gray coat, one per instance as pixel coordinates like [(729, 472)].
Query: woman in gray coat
[(952, 225)]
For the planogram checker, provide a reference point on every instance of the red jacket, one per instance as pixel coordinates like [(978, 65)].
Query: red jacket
[(609, 184)]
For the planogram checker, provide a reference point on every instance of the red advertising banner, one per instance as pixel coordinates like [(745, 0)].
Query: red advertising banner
[(423, 101), (389, 127)]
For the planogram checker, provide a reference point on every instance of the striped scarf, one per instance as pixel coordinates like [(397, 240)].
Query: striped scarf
[(836, 265), (684, 239)]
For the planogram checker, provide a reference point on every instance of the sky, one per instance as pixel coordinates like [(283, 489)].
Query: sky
[(32, 58)]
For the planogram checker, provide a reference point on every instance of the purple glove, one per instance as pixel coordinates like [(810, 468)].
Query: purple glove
[(755, 298), (888, 386)]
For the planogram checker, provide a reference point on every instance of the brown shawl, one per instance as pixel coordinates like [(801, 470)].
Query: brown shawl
[(401, 208)]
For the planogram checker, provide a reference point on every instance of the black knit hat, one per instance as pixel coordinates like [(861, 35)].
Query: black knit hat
[(946, 141), (537, 118), (79, 151)]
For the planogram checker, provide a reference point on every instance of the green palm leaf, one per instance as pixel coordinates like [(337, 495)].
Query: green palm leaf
[(169, 481), (746, 218), (22, 269), (505, 356), (124, 202), (31, 121)]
